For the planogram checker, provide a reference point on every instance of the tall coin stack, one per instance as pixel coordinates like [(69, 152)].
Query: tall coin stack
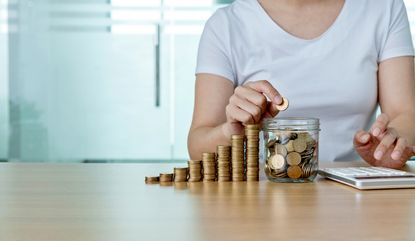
[(252, 152), (238, 168), (209, 167), (224, 163), (195, 170)]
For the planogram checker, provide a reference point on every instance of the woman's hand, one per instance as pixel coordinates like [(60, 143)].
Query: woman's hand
[(382, 145), (249, 105)]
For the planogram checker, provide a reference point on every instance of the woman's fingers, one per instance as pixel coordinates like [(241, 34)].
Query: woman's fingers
[(254, 110), (380, 125), (237, 114), (361, 138), (252, 96), (386, 142), (401, 145), (267, 89)]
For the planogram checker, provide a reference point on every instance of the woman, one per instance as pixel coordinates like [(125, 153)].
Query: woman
[(336, 60)]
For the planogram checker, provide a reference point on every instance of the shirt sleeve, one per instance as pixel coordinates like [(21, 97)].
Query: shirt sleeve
[(398, 41), (214, 48)]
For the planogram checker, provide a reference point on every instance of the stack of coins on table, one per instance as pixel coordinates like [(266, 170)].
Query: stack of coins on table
[(152, 180), (166, 177), (180, 174), (292, 155), (224, 163), (195, 170), (238, 167), (252, 152), (209, 167)]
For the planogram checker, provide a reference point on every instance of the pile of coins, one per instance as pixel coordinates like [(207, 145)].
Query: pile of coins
[(180, 174), (195, 170), (230, 164), (224, 163), (238, 165), (292, 155), (209, 167), (252, 152)]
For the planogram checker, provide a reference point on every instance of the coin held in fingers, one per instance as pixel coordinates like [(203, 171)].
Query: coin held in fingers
[(284, 105)]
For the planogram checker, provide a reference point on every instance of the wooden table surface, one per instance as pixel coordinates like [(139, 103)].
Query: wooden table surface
[(100, 202)]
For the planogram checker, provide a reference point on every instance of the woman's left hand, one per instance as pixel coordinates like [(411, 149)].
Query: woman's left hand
[(382, 145)]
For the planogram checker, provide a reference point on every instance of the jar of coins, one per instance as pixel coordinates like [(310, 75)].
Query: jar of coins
[(291, 149)]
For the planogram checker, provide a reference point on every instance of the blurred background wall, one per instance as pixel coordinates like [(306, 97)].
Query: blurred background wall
[(100, 80)]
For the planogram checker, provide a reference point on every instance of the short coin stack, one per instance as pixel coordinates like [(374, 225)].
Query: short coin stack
[(238, 167), (166, 177), (224, 163), (195, 170), (252, 152), (209, 167), (180, 174), (152, 180)]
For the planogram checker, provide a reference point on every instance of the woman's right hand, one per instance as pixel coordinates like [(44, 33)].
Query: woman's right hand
[(249, 105)]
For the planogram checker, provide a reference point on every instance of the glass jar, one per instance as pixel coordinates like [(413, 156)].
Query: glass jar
[(290, 149)]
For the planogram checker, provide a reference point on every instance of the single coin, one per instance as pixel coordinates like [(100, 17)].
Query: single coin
[(300, 145), (293, 158), (290, 146), (294, 172), (277, 161), (280, 149), (284, 105)]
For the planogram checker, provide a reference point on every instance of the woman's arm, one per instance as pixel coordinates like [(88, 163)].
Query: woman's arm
[(220, 111), (392, 137)]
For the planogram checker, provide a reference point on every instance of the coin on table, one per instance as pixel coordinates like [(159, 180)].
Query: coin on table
[(293, 158), (277, 161), (294, 172), (284, 105)]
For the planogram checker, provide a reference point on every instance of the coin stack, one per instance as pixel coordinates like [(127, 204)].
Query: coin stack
[(166, 177), (252, 152), (152, 180), (195, 170), (180, 174), (224, 163), (292, 155), (209, 167), (238, 167)]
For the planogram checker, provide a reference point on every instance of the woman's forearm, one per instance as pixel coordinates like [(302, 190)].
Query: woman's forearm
[(205, 139), (404, 124)]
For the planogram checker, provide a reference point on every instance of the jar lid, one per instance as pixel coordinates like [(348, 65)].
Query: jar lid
[(292, 123)]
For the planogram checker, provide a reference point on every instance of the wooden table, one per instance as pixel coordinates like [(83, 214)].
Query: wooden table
[(100, 202)]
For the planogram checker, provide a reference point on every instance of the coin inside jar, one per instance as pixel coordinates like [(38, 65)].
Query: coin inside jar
[(294, 172), (293, 158), (277, 161)]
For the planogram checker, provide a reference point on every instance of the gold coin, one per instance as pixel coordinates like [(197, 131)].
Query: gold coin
[(293, 158), (294, 172), (300, 145), (289, 146), (277, 161), (284, 105)]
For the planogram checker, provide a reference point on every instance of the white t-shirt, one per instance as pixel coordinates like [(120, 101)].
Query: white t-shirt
[(332, 77)]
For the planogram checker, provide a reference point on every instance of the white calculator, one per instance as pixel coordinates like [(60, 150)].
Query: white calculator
[(370, 177)]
